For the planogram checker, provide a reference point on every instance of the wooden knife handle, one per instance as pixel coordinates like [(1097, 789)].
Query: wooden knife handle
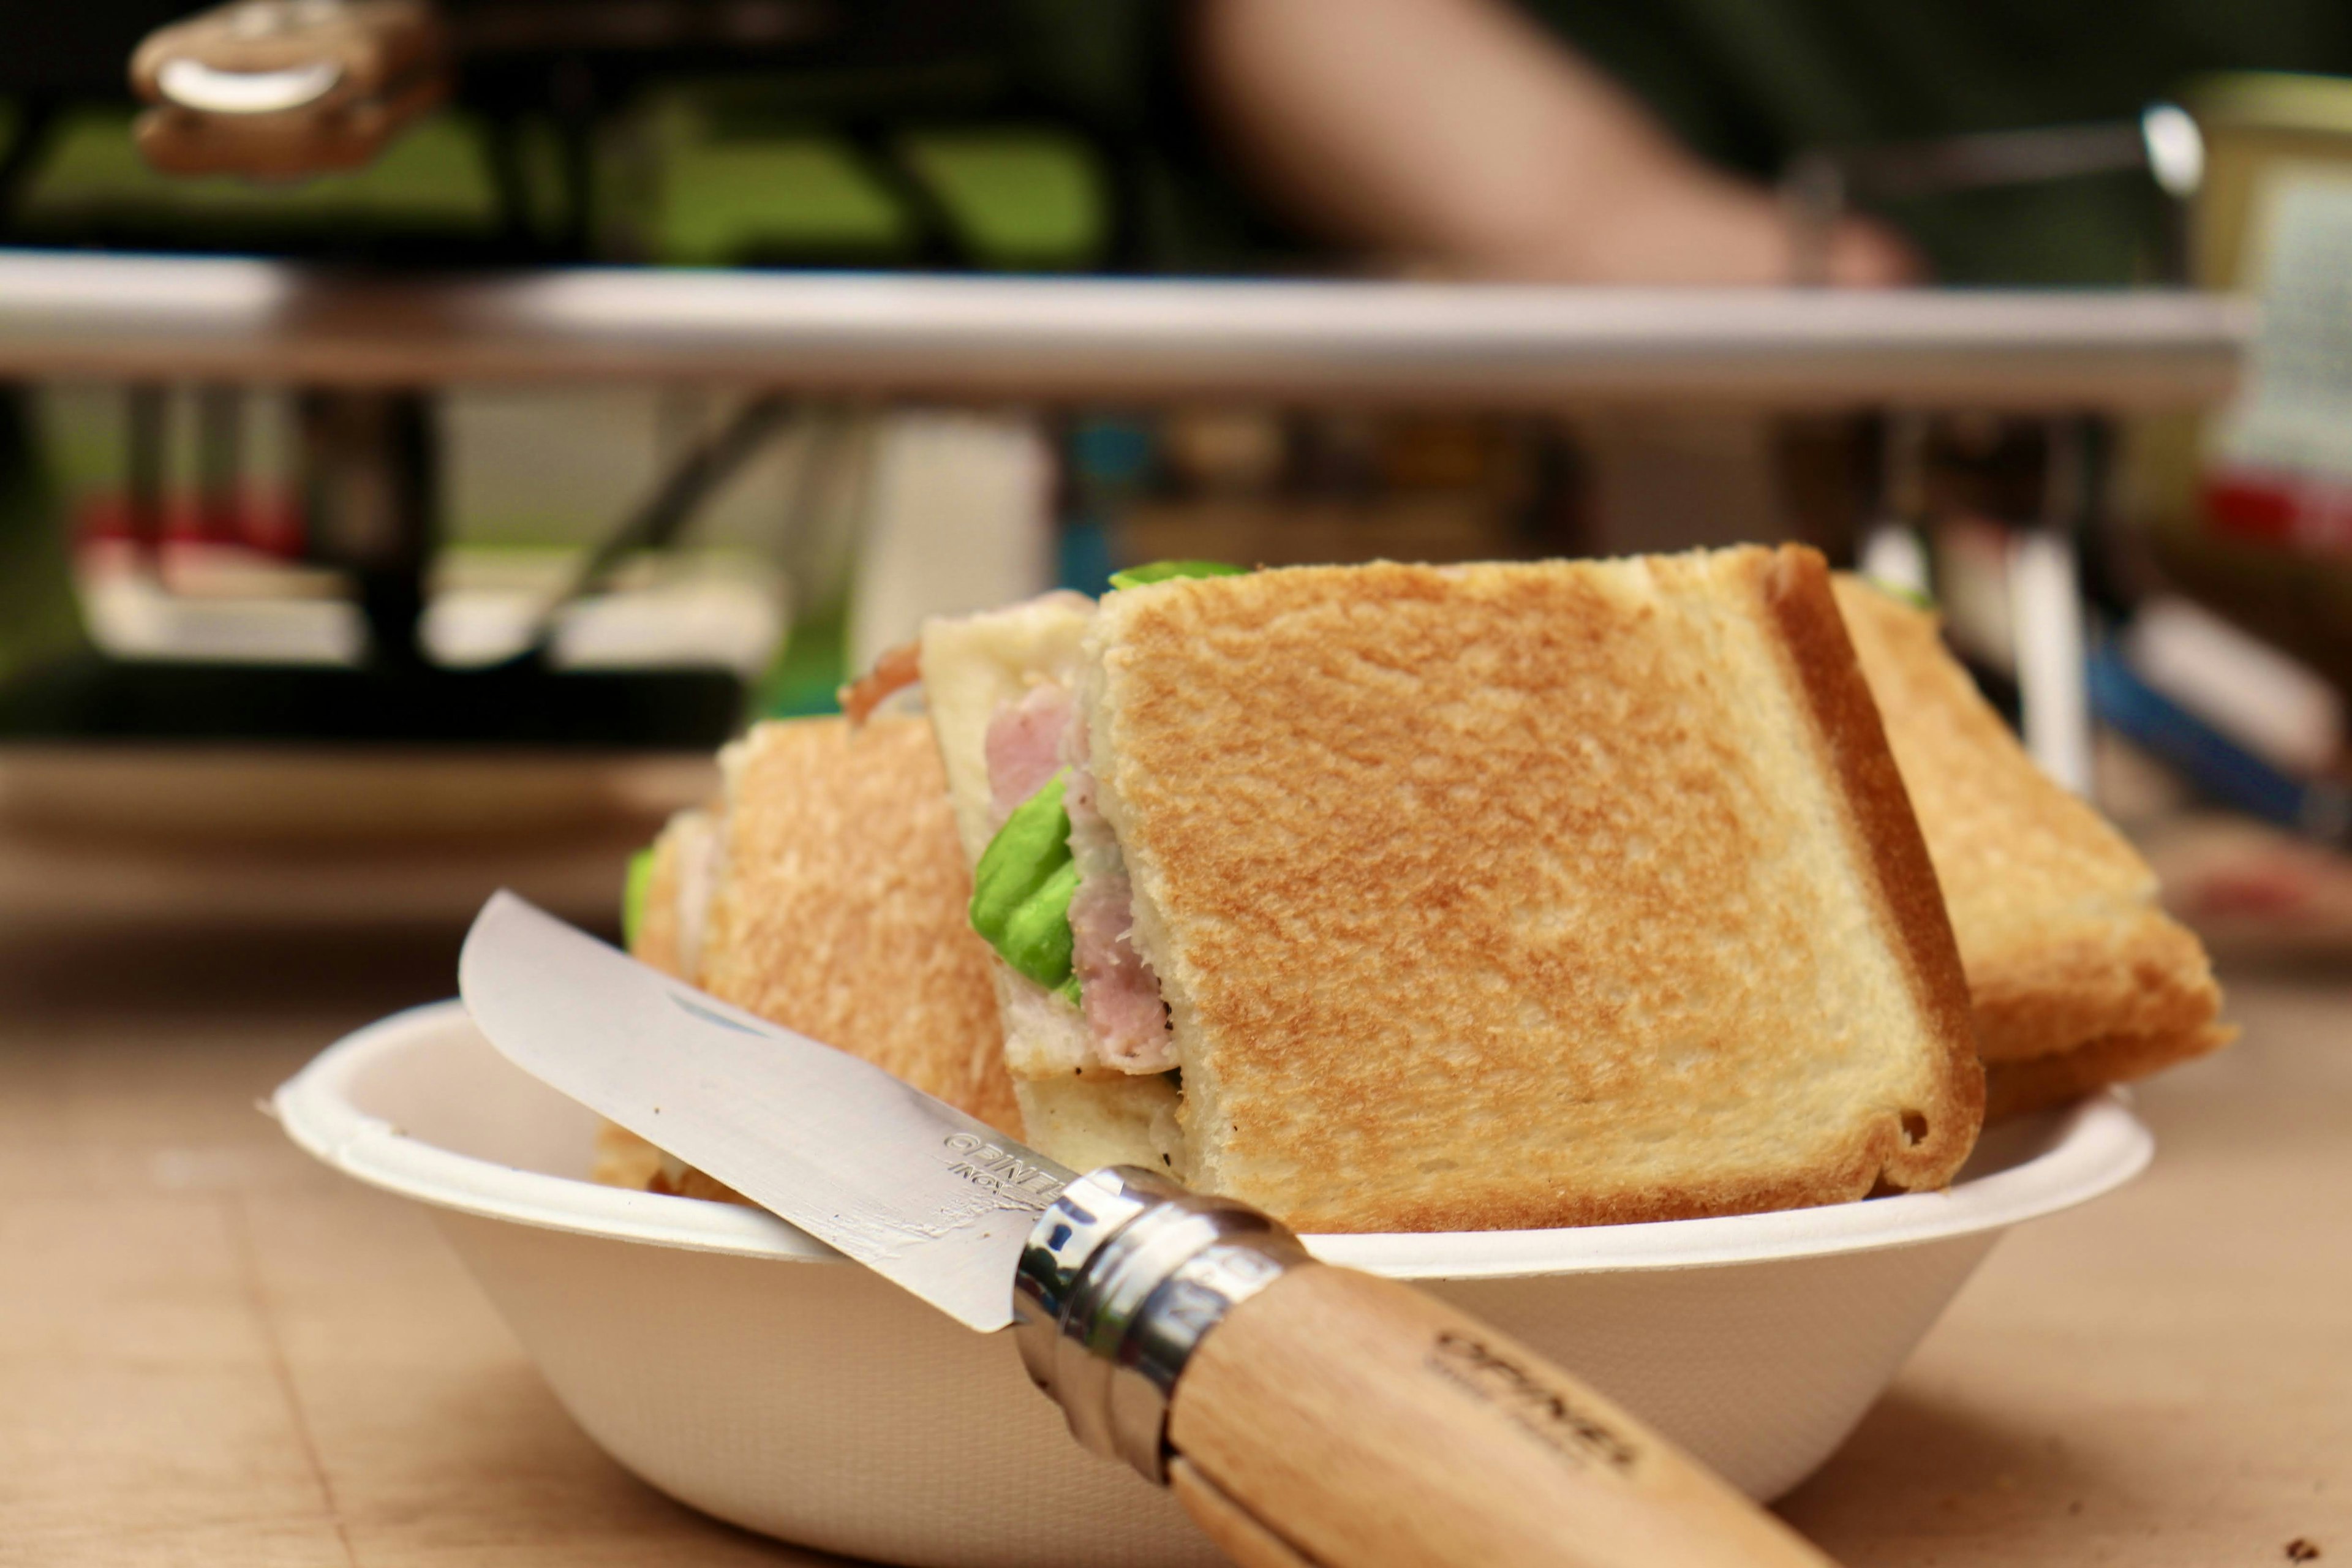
[(1337, 1420)]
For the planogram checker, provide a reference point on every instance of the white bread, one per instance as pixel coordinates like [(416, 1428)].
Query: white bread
[(1087, 1121), (2076, 975), (837, 909), (1505, 895), (839, 912), (1530, 895)]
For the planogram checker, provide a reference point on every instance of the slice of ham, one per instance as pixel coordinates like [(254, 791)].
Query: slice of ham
[(1118, 993), (897, 670), (1024, 746)]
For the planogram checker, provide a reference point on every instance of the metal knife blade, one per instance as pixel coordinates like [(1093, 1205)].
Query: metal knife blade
[(910, 1188)]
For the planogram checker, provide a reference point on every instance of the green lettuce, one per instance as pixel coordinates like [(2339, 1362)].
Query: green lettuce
[(1022, 888), (1165, 571)]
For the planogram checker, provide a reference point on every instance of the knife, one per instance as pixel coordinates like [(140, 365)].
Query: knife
[(1307, 1415)]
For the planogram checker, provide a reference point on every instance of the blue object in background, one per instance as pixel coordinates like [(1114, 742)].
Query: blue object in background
[(2209, 760), (1083, 555), (1110, 454), (1107, 459)]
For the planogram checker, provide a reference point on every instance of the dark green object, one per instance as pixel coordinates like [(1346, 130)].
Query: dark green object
[(39, 618), (1020, 890), (1167, 571), (634, 893)]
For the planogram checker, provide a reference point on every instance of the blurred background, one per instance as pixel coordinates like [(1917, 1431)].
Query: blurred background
[(427, 431)]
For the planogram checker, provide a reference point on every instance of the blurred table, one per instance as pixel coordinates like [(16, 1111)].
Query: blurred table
[(212, 1350)]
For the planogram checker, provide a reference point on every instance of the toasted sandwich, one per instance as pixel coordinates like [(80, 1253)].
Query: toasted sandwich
[(1409, 897), (826, 892), (2077, 976)]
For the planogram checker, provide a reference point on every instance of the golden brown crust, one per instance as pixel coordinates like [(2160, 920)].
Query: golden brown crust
[(2059, 930), (683, 1181), (841, 910), (1886, 838), (1515, 896), (657, 924), (2140, 973), (2012, 1088), (623, 1159), (841, 915), (898, 668)]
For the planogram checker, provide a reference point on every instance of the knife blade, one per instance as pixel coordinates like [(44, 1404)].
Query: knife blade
[(1306, 1416), (911, 1187)]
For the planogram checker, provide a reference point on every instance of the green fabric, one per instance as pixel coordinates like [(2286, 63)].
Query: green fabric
[(432, 175), (1017, 197), (804, 195), (762, 169)]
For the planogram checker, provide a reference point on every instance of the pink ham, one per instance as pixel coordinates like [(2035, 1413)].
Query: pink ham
[(1120, 992), (1027, 743), (1024, 746)]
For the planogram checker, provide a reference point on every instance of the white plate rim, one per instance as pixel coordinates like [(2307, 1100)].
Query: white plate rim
[(2099, 1146)]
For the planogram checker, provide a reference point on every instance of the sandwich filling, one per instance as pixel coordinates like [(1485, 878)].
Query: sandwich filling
[(1050, 892), (1476, 897), (1037, 758)]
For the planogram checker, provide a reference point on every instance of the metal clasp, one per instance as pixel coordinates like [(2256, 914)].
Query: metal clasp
[(1122, 1278)]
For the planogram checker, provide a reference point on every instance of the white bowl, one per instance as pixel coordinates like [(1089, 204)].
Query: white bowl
[(748, 1370)]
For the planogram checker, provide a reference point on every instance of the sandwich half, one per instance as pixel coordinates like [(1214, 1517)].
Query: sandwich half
[(825, 891), (2078, 978), (1404, 898)]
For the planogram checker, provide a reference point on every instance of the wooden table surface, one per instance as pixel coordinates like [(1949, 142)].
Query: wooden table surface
[(213, 1351)]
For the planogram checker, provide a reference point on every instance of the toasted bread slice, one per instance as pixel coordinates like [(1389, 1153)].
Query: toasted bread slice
[(828, 895), (1089, 1119), (840, 910), (2064, 943), (677, 894), (668, 937), (2014, 1088), (1528, 895), (622, 1159)]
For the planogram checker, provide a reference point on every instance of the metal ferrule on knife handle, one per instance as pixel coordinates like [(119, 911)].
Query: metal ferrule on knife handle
[(1121, 1278)]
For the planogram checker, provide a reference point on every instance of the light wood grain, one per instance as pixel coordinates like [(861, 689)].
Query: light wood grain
[(1373, 1426), (1238, 1533), (2162, 1379), (215, 1350)]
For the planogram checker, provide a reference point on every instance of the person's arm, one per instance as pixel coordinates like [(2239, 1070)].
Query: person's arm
[(1453, 135)]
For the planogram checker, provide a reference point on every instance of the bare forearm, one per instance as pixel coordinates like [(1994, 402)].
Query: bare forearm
[(1452, 133)]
